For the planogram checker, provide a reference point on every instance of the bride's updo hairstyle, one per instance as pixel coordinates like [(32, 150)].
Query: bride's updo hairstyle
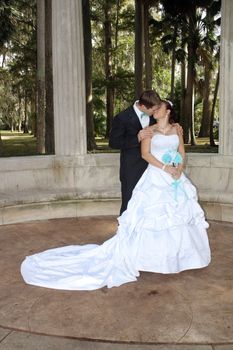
[(169, 105)]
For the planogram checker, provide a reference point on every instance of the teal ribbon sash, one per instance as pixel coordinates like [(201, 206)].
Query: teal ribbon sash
[(177, 185)]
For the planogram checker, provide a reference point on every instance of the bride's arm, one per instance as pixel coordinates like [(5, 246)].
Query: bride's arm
[(181, 150), (147, 156)]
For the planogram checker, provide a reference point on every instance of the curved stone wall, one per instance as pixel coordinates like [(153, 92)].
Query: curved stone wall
[(44, 187)]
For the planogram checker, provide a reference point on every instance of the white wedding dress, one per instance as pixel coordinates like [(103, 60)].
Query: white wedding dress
[(163, 230)]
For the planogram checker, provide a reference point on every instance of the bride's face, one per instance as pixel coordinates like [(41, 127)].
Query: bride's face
[(162, 112), (149, 111)]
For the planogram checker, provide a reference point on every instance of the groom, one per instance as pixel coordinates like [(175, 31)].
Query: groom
[(128, 130)]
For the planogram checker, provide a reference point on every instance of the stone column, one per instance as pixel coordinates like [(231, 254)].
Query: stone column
[(226, 80), (69, 83)]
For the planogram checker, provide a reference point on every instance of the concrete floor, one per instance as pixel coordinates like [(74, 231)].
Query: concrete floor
[(191, 310)]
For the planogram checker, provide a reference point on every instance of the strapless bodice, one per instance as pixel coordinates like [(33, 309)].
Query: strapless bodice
[(160, 144)]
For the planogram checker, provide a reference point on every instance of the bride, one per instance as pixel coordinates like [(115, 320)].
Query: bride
[(163, 229)]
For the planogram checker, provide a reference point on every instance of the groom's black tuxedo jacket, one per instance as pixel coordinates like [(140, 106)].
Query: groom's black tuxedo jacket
[(123, 136)]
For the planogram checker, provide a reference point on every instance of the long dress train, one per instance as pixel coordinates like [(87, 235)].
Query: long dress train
[(163, 230)]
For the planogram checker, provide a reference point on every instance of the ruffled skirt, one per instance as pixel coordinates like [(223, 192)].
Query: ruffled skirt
[(163, 230)]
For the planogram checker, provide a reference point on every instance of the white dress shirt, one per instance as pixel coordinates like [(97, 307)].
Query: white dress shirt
[(143, 117)]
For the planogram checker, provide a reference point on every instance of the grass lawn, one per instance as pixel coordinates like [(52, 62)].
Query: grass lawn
[(19, 144)]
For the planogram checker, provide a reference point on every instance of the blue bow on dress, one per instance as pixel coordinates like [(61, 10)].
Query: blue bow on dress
[(172, 157)]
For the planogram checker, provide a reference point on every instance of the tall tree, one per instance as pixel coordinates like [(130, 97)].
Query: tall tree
[(41, 76), (91, 144), (189, 97), (147, 53), (209, 54), (139, 46), (21, 58), (108, 65), (7, 28), (183, 80), (206, 111), (212, 143), (49, 111), (6, 23), (172, 22)]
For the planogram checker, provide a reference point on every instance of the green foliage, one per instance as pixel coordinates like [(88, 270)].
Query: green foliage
[(6, 21), (168, 35), (170, 25), (18, 72), (122, 52)]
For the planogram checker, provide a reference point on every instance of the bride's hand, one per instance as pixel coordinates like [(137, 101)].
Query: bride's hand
[(173, 171), (178, 173)]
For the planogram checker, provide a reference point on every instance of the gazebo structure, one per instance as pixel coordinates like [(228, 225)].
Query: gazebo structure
[(192, 310), (73, 183)]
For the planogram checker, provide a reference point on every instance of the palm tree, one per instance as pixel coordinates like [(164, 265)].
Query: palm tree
[(209, 53), (182, 26), (172, 23), (212, 143)]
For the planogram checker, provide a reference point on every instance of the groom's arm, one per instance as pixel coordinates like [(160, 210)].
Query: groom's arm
[(120, 136)]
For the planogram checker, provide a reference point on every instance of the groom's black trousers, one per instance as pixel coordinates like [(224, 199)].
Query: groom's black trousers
[(131, 169)]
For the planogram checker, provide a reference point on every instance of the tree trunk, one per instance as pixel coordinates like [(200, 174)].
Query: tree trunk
[(91, 144), (139, 47), (148, 62), (19, 112), (116, 33), (212, 143), (33, 116), (206, 111), (173, 65), (189, 98), (183, 93), (25, 122), (3, 53), (49, 112), (108, 68), (188, 107), (192, 130), (183, 84), (1, 145), (40, 105)]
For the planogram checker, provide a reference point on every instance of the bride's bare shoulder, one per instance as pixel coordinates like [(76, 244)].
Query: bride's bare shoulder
[(174, 129)]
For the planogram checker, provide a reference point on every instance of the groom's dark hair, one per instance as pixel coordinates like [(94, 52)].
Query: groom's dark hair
[(149, 98)]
